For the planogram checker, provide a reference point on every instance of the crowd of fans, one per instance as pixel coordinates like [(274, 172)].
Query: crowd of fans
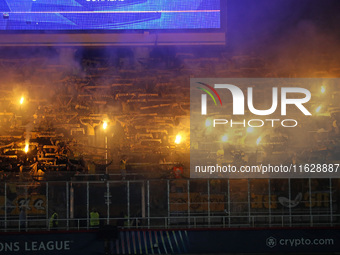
[(57, 112)]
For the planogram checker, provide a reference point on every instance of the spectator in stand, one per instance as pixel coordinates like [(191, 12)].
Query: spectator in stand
[(40, 153), (178, 171), (122, 166), (90, 131)]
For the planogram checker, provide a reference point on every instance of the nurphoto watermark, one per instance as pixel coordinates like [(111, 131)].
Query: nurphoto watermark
[(264, 128)]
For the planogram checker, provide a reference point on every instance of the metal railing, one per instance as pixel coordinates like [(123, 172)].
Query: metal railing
[(171, 203), (177, 222)]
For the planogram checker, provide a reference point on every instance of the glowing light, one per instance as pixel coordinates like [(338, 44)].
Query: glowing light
[(225, 138), (258, 140), (178, 139), (208, 123), (22, 99), (318, 109), (26, 148), (105, 125), (250, 130), (323, 89)]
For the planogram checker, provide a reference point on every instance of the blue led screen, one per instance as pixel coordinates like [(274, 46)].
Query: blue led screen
[(108, 14)]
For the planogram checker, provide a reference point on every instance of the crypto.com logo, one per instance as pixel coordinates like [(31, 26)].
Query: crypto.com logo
[(271, 242), (239, 101)]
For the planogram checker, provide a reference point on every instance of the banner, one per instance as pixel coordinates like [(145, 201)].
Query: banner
[(51, 243), (325, 241), (34, 204), (198, 202)]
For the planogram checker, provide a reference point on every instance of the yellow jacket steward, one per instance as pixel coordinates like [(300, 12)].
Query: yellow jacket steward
[(54, 220), (126, 221), (94, 219)]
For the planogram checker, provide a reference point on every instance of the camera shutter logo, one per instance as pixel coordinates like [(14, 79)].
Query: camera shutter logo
[(271, 242), (204, 97)]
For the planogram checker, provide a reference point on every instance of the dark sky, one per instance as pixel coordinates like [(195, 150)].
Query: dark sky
[(256, 22)]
